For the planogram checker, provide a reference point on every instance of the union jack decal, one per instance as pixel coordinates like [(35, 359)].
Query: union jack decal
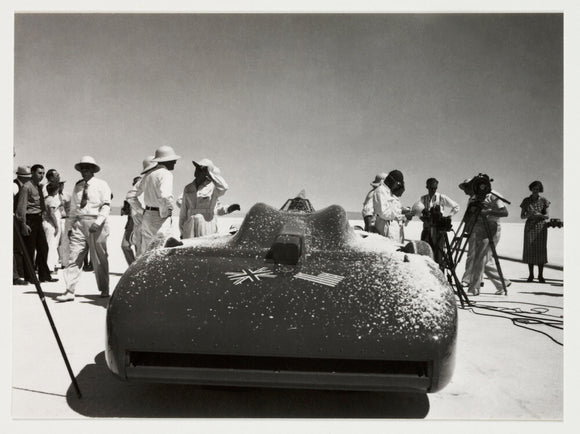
[(251, 275)]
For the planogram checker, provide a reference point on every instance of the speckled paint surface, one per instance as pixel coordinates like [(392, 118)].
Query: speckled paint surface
[(382, 303)]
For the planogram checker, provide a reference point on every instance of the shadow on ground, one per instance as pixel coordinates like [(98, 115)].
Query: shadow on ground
[(106, 396)]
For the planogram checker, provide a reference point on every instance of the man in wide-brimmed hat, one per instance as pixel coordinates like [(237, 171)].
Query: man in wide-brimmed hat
[(391, 216), (88, 229), (23, 175), (368, 209), (157, 189), (199, 206)]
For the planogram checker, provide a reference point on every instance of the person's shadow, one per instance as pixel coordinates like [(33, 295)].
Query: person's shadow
[(103, 395)]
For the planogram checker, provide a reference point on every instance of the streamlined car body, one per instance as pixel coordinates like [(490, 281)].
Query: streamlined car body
[(294, 299)]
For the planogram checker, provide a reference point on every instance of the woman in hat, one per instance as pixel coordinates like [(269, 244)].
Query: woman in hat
[(198, 213), (535, 211)]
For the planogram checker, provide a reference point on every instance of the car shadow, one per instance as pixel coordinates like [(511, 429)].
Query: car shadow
[(106, 396), (96, 300)]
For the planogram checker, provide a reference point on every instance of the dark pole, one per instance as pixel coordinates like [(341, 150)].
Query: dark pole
[(28, 265)]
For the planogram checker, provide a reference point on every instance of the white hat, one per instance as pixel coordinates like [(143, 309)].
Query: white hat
[(24, 172), (148, 164), (165, 153), (207, 163), (379, 178), (87, 160)]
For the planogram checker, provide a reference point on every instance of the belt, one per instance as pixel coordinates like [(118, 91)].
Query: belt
[(151, 208)]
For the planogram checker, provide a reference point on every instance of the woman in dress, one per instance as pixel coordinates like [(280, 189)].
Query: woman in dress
[(52, 225), (199, 206), (535, 211)]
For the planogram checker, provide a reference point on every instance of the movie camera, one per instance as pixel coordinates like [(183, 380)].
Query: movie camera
[(434, 218), (451, 252), (480, 185)]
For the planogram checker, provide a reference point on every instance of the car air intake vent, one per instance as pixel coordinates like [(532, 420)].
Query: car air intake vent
[(289, 364)]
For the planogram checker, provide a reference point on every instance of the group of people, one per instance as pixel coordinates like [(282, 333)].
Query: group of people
[(58, 228), (383, 213), (149, 205)]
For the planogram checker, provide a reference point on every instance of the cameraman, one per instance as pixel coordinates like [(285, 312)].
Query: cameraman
[(492, 208), (434, 207)]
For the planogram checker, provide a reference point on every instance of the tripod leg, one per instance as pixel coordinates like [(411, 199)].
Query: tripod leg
[(448, 264), (495, 257)]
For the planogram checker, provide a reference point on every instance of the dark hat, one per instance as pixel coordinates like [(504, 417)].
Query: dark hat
[(397, 175)]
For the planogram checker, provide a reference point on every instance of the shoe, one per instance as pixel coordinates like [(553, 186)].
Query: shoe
[(465, 284), (541, 280), (104, 294), (530, 278), (67, 296), (500, 292), (19, 282), (50, 279)]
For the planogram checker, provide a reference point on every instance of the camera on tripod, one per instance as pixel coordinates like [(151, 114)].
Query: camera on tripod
[(435, 219), (480, 185)]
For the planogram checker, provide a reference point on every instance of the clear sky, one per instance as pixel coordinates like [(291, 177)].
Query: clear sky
[(285, 102)]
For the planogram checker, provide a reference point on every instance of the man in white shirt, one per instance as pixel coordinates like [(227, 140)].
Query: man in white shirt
[(434, 205), (136, 201), (391, 216), (368, 208), (157, 189), (88, 229)]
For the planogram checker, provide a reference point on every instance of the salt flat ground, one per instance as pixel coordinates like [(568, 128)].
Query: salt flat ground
[(505, 369)]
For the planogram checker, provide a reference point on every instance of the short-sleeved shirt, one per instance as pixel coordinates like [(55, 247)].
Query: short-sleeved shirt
[(98, 200)]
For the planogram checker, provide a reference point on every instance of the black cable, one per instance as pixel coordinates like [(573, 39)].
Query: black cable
[(523, 318)]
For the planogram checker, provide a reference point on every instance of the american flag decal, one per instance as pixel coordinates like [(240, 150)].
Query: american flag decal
[(322, 278), (251, 275)]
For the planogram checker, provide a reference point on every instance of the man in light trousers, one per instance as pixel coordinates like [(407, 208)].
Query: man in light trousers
[(157, 189), (88, 229)]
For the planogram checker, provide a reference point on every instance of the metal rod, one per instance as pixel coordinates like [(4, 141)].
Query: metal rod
[(30, 268)]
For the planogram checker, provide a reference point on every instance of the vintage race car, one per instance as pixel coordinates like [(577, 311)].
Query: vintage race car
[(294, 299)]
